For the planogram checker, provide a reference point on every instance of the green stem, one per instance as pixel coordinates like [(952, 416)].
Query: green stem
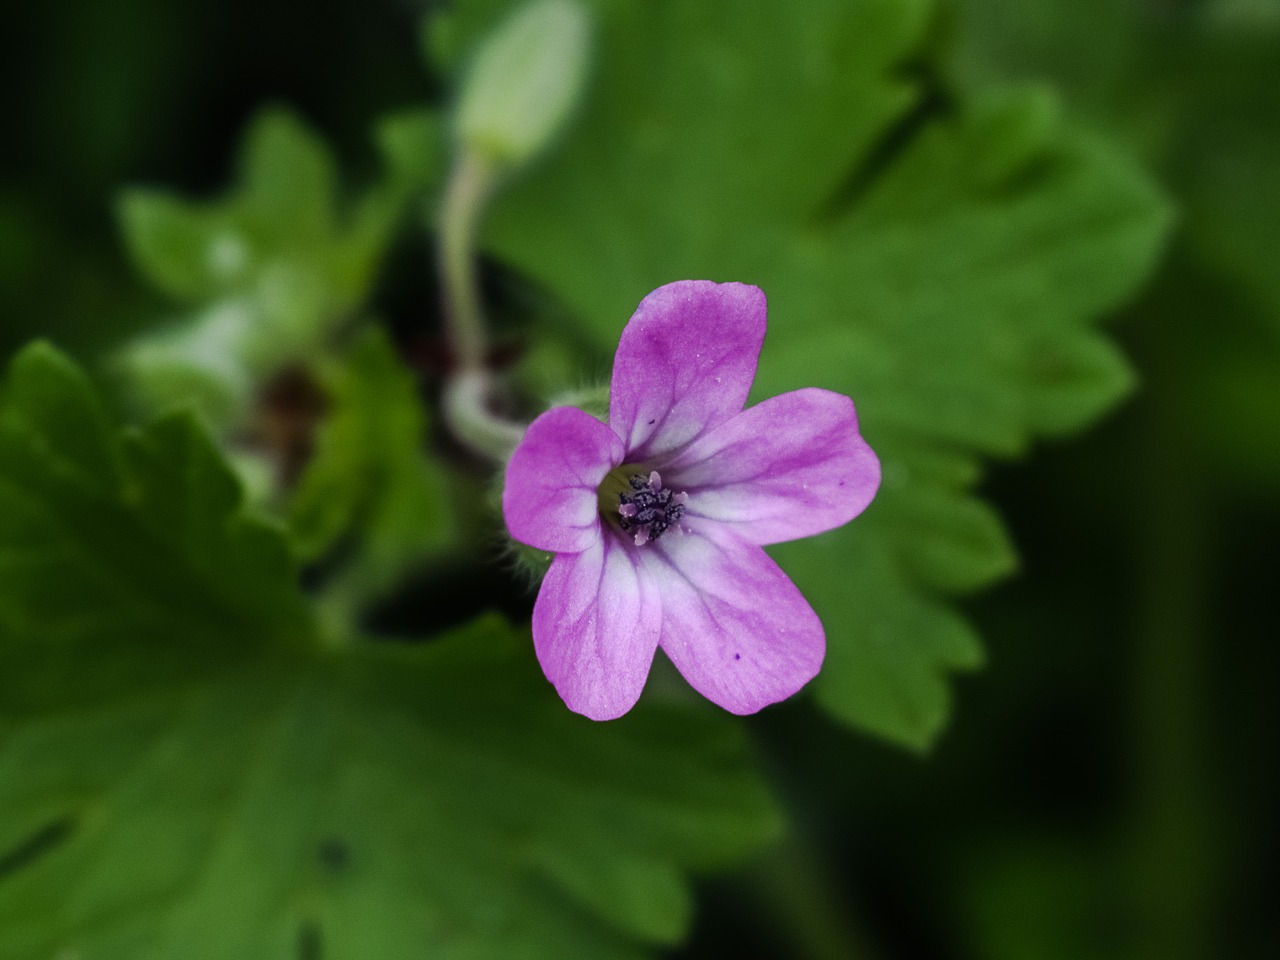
[(466, 410), (468, 389), (469, 188)]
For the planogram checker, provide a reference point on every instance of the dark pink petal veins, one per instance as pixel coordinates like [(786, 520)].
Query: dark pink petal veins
[(549, 495), (732, 623), (684, 364), (790, 467), (595, 629)]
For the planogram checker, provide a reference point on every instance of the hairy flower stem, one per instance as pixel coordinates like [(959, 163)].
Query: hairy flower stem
[(466, 410), (468, 190), (468, 387)]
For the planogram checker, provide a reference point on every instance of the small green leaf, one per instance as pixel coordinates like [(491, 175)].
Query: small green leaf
[(186, 251), (287, 181), (412, 146), (50, 407), (270, 271)]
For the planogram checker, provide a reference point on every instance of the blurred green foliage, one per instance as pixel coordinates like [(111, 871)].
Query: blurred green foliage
[(270, 271), (368, 480), (210, 747)]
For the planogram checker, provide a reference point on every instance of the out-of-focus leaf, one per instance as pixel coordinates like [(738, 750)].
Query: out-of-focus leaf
[(412, 147), (186, 251), (271, 269), (185, 770), (368, 478), (1195, 89), (106, 542), (1089, 49), (943, 267), (1225, 156)]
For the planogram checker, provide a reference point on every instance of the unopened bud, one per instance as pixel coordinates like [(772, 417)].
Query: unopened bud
[(524, 81)]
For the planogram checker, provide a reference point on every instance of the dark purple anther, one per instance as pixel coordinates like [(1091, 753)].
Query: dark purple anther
[(650, 509)]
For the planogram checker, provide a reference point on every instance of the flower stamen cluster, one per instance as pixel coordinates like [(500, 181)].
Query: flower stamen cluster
[(649, 509)]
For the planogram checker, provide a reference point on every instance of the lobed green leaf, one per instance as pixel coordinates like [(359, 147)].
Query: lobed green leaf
[(186, 769)]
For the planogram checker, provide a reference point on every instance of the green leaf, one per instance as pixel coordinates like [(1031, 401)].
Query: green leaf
[(1194, 93), (1196, 96), (287, 182), (186, 771), (187, 251), (269, 272), (944, 268), (389, 803), (140, 539), (369, 478)]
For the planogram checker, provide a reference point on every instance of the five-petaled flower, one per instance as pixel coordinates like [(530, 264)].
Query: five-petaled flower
[(658, 518)]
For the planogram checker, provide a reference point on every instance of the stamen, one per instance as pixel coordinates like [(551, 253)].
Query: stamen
[(649, 509)]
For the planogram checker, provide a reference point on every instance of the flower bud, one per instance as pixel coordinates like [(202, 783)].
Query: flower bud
[(524, 81)]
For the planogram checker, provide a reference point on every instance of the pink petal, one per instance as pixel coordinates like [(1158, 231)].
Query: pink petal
[(790, 467), (732, 623), (549, 496), (685, 364), (595, 628)]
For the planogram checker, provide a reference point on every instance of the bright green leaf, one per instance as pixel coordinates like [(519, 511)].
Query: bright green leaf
[(942, 267), (1195, 96), (384, 804), (186, 771)]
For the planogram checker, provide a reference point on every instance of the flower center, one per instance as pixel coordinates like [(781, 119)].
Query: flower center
[(645, 508)]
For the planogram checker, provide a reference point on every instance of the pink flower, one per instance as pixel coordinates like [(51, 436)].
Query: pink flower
[(657, 518)]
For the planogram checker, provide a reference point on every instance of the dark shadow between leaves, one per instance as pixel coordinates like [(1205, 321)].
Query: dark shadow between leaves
[(310, 941), (36, 845), (935, 103)]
